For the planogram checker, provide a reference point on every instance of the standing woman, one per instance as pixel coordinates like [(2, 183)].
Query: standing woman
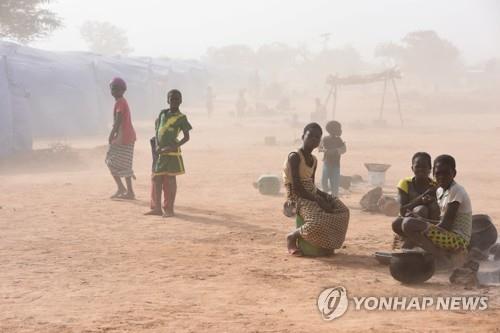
[(325, 217), (121, 142)]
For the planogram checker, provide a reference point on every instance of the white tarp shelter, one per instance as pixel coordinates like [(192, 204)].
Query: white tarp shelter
[(64, 94)]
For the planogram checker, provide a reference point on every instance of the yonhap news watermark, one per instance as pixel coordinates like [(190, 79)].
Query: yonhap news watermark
[(334, 302)]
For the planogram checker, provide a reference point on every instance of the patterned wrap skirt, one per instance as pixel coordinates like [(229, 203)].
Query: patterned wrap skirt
[(322, 229), (119, 160)]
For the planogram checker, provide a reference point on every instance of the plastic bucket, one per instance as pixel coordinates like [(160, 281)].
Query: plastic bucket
[(376, 178)]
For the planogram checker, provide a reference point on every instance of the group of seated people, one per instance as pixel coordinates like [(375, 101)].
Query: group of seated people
[(435, 214)]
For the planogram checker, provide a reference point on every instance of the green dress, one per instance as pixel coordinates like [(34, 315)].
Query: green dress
[(168, 126)]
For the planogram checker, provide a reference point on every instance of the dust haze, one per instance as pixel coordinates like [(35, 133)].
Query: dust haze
[(400, 76)]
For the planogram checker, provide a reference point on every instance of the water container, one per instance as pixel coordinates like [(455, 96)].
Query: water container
[(376, 173), (269, 184), (376, 178)]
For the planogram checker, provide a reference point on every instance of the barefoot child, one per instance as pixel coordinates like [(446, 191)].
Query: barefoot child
[(121, 142), (417, 194), (325, 217), (452, 234), (333, 147), (169, 163)]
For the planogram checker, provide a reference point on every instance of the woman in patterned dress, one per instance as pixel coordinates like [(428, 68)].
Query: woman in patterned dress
[(325, 217)]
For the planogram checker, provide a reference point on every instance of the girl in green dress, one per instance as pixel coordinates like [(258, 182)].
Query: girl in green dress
[(169, 164)]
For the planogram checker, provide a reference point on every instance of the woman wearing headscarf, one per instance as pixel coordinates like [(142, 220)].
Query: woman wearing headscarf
[(121, 142)]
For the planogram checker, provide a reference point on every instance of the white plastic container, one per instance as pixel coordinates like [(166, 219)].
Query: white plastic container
[(376, 178), (376, 173)]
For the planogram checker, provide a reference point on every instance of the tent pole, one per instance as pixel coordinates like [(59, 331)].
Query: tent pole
[(383, 100), (397, 98), (100, 109), (327, 99), (150, 86), (9, 110), (334, 108)]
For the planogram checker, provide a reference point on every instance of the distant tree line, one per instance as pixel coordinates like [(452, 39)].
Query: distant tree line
[(421, 55), (26, 20)]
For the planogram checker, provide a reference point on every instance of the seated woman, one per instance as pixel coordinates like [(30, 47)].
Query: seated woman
[(325, 217), (417, 194)]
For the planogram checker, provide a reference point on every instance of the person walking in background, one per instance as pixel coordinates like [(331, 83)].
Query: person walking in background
[(241, 104), (210, 98)]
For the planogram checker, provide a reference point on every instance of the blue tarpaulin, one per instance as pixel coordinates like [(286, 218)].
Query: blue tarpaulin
[(64, 94)]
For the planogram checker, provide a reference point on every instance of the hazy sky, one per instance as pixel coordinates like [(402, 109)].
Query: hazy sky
[(185, 28)]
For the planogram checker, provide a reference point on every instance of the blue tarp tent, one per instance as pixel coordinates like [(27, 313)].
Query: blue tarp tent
[(64, 94)]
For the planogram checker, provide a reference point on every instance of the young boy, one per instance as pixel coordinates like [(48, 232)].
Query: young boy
[(452, 233), (121, 142), (169, 163), (333, 147)]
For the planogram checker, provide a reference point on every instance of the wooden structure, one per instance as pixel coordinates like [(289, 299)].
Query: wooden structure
[(386, 76)]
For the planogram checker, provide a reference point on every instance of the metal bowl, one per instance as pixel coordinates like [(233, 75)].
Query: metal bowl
[(377, 167), (484, 232), (495, 251), (412, 267), (383, 258)]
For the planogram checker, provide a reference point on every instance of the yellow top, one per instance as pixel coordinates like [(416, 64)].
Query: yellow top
[(404, 184), (305, 171)]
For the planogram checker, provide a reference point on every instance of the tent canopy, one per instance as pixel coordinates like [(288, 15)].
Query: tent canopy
[(46, 93)]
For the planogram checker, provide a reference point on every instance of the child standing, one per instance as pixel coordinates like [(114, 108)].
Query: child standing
[(169, 162), (333, 147), (120, 155)]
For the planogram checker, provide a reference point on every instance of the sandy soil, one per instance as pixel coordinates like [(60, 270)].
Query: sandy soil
[(73, 260)]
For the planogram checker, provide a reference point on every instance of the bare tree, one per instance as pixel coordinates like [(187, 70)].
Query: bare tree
[(105, 38), (26, 20)]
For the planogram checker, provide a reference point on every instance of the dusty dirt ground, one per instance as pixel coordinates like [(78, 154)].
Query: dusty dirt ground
[(73, 260)]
